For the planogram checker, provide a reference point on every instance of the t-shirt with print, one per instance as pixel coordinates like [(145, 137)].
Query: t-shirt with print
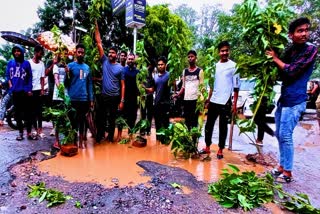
[(191, 83), (61, 72), (112, 74), (38, 72), (225, 81)]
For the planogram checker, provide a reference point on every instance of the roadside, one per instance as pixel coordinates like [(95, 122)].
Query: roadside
[(156, 195)]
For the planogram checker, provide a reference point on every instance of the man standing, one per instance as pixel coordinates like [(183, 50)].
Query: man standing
[(123, 58), (192, 77), (38, 74), (295, 66), (113, 89), (19, 77), (220, 103), (80, 92), (162, 98)]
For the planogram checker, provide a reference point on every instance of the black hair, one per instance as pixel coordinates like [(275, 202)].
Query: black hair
[(163, 59), (80, 46), (222, 44), (131, 54), (38, 48), (193, 52), (124, 52), (298, 22), (114, 48)]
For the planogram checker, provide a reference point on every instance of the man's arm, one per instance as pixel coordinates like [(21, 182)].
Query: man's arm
[(298, 66), (98, 39), (123, 88)]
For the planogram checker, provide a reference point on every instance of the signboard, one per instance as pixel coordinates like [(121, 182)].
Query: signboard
[(135, 13), (117, 6)]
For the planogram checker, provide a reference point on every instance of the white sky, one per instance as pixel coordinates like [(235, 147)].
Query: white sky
[(19, 15)]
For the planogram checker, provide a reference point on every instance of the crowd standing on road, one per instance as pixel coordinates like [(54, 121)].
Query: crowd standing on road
[(119, 94)]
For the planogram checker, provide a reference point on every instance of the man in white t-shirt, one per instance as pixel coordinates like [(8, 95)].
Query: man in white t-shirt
[(38, 74), (226, 80)]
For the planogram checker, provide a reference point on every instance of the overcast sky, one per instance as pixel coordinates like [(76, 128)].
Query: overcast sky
[(19, 15)]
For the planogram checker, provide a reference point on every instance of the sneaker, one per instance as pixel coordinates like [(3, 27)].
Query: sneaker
[(284, 179), (204, 151), (53, 132), (275, 172)]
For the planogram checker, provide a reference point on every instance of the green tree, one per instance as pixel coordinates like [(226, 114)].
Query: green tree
[(112, 28), (158, 19)]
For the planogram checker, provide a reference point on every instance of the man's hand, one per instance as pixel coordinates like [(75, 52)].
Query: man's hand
[(121, 105)]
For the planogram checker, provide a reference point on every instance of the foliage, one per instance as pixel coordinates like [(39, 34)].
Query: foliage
[(113, 27), (176, 185), (141, 62), (52, 196), (158, 20), (248, 191), (181, 139), (78, 204), (268, 25), (141, 125), (245, 189), (60, 116)]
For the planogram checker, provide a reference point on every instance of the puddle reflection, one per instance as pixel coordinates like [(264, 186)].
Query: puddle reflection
[(115, 164)]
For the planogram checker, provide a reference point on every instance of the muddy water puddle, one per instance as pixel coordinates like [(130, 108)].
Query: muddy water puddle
[(115, 164)]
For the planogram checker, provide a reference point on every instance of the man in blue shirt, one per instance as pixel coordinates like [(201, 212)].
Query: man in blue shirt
[(113, 89), (80, 92), (162, 98), (295, 69)]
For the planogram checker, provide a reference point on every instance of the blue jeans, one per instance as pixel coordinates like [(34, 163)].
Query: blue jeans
[(286, 119)]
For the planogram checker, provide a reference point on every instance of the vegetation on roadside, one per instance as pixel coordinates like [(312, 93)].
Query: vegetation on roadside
[(247, 190)]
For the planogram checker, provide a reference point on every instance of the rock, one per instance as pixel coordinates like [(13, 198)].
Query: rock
[(13, 184), (23, 207)]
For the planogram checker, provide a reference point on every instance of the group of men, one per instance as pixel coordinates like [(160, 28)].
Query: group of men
[(120, 91)]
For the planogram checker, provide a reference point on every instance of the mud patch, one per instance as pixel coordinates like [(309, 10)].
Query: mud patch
[(156, 196), (262, 159)]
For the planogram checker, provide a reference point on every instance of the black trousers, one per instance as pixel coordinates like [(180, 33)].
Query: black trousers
[(215, 110), (190, 113), (161, 115), (107, 107), (130, 112), (37, 103), (22, 103), (79, 116), (260, 120), (147, 112)]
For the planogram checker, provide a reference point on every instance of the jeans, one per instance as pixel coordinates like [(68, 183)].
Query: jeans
[(286, 119), (190, 113)]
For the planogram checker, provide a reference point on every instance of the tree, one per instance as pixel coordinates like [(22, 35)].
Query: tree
[(112, 28), (158, 20)]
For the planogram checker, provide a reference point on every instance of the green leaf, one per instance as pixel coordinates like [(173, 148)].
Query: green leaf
[(234, 168), (176, 185), (43, 196)]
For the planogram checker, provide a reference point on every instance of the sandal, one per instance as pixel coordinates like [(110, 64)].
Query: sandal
[(20, 138), (284, 179), (32, 137), (275, 172)]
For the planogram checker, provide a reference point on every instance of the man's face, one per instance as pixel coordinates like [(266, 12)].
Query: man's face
[(112, 55), (130, 61), (39, 55), (224, 53), (123, 58), (80, 54), (192, 59), (17, 53), (161, 66), (301, 34)]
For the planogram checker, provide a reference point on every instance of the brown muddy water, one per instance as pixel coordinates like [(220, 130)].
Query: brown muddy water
[(113, 164)]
